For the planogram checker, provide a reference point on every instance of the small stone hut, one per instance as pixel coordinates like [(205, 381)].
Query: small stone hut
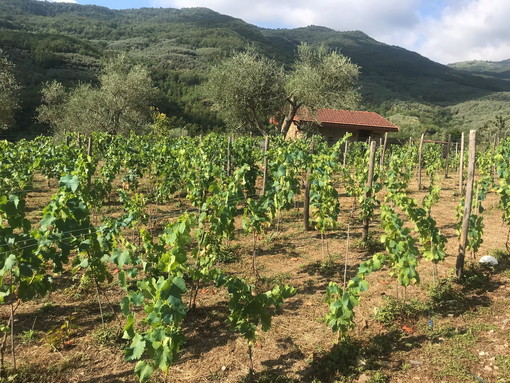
[(334, 123)]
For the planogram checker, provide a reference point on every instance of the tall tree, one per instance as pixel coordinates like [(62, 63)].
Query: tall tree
[(120, 104), (247, 89), (9, 93), (320, 79)]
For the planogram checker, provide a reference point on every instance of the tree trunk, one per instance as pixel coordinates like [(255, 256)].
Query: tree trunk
[(287, 121), (256, 122)]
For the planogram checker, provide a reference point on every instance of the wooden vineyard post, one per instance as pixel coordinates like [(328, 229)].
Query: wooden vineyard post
[(264, 176), (89, 179), (346, 255), (368, 193), (345, 152), (459, 269), (495, 148), (229, 161), (461, 165), (306, 207), (448, 148), (420, 155), (89, 147), (13, 349), (383, 150)]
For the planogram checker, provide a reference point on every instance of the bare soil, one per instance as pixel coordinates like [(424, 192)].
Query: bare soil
[(61, 338)]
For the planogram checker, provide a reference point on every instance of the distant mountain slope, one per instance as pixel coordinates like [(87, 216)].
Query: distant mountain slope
[(474, 114), (190, 37), (495, 69), (65, 41), (391, 72)]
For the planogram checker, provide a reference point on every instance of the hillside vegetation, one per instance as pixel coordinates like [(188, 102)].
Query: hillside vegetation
[(67, 42), (500, 69)]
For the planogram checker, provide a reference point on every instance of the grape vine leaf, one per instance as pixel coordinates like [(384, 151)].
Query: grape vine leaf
[(136, 349), (71, 182), (143, 370), (9, 262)]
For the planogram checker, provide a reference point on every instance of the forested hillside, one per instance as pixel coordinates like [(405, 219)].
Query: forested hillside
[(67, 42), (497, 69)]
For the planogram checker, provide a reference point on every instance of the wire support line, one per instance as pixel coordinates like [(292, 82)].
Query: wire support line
[(90, 229)]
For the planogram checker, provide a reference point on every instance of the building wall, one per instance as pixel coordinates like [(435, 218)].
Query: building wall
[(333, 134)]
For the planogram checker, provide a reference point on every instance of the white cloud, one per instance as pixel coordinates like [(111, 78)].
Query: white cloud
[(469, 30), (338, 14), (443, 30)]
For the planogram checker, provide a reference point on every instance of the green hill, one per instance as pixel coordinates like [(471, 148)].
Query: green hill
[(391, 72), (66, 42), (496, 69)]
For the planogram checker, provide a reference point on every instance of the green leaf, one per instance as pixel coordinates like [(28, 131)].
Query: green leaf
[(180, 283), (164, 358), (124, 306), (265, 319), (14, 199), (10, 262), (136, 349), (119, 257), (136, 298), (129, 331), (143, 370), (363, 286), (70, 181), (122, 280)]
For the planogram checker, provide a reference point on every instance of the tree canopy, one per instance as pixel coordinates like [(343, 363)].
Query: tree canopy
[(120, 104), (320, 79), (249, 88), (9, 93)]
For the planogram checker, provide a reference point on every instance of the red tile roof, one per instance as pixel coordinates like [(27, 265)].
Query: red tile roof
[(355, 119)]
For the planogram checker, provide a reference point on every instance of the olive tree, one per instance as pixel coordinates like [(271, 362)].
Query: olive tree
[(119, 104), (320, 79), (9, 93), (496, 127), (247, 89)]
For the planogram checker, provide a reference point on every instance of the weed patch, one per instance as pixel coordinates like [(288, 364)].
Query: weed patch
[(395, 310)]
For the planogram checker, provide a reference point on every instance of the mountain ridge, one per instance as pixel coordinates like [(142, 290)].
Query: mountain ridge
[(374, 57), (494, 69), (65, 41)]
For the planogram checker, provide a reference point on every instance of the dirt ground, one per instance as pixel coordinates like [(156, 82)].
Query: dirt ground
[(465, 337)]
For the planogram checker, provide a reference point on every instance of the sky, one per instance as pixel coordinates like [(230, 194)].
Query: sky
[(445, 31)]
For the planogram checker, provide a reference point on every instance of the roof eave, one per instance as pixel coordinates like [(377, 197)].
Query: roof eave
[(353, 126)]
